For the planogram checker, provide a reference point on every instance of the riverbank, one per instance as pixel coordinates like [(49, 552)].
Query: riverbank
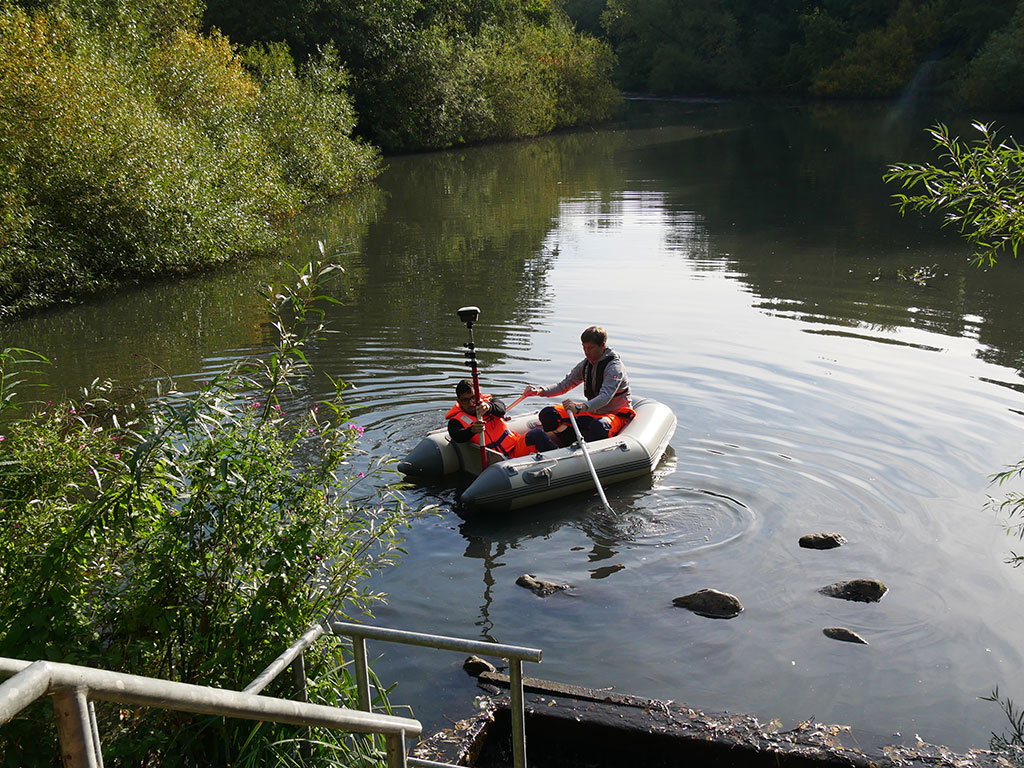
[(137, 143)]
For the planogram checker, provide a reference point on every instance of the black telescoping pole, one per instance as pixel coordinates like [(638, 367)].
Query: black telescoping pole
[(469, 315)]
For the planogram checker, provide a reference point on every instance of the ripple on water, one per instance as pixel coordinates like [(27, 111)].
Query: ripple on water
[(685, 519)]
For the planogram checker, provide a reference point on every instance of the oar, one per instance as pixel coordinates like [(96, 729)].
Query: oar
[(517, 402), (586, 455)]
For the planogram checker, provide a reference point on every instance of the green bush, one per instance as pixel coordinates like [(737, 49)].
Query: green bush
[(884, 60), (132, 150), (191, 538), (994, 79), (503, 82)]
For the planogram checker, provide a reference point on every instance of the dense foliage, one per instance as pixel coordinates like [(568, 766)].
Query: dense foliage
[(191, 538), (433, 73), (133, 145), (845, 48)]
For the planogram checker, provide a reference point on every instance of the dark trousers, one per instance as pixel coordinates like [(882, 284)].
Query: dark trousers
[(591, 427)]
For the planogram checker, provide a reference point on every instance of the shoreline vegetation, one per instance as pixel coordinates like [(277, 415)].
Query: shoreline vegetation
[(137, 142), (144, 139), (192, 536)]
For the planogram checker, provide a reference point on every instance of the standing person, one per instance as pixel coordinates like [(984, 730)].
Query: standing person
[(607, 408), (467, 420)]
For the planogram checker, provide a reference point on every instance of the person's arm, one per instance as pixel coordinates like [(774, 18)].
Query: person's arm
[(572, 379), (459, 433)]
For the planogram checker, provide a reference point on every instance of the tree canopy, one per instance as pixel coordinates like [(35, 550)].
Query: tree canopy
[(828, 48)]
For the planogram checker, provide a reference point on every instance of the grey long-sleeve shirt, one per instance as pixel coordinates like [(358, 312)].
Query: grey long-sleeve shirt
[(605, 400)]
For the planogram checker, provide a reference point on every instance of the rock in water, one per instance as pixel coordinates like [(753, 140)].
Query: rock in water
[(844, 634), (476, 666), (539, 586), (861, 590), (824, 540), (710, 603)]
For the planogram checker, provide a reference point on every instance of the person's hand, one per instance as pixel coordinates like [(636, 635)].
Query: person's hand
[(476, 427), (483, 409), (532, 391), (574, 407)]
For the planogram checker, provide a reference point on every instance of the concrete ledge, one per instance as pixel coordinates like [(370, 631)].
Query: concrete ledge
[(568, 727)]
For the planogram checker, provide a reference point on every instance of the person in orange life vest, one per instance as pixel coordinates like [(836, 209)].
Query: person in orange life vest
[(607, 408), (467, 420)]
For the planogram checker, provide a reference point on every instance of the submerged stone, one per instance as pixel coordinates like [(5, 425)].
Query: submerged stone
[(710, 603), (844, 634), (476, 666), (861, 590), (539, 586), (823, 540)]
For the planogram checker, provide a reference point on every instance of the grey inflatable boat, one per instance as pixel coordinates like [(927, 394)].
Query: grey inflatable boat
[(514, 483)]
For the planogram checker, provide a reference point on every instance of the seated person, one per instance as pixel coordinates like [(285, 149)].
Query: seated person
[(607, 409), (467, 420)]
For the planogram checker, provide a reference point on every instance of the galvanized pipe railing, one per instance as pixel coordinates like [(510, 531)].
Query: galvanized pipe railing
[(278, 665), (514, 655), (74, 688)]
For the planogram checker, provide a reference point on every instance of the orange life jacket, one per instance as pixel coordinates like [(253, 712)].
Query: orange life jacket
[(617, 420), (497, 435)]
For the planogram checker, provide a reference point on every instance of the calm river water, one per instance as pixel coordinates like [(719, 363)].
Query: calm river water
[(745, 261)]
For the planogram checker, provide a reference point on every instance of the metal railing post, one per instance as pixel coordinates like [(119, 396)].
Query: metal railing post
[(395, 745), (301, 694), (95, 729), (362, 672), (515, 687), (74, 727), (515, 656), (299, 677)]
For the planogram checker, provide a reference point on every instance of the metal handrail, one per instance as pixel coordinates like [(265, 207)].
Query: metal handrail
[(514, 655), (74, 687), (278, 665)]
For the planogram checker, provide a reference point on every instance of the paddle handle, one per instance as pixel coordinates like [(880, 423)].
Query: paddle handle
[(590, 464), (517, 402)]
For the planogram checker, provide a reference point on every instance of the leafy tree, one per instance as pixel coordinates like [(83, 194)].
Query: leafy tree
[(433, 73), (132, 145), (884, 60), (673, 46), (979, 188), (995, 76)]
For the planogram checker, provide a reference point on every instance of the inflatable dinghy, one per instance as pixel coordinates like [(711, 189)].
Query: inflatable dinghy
[(513, 483)]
